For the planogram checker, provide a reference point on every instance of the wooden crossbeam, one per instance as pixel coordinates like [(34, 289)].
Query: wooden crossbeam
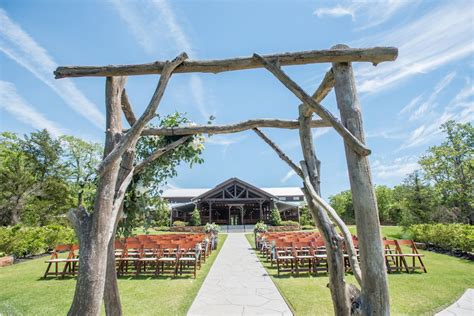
[(230, 128), (350, 139), (373, 55)]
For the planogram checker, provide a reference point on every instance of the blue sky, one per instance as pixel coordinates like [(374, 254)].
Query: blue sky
[(404, 102)]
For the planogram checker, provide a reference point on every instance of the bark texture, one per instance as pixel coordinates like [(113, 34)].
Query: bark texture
[(95, 230), (373, 55), (375, 298), (333, 242)]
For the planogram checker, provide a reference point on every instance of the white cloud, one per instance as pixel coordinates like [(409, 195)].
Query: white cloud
[(396, 169), (23, 49), (430, 103), (366, 14), (441, 36), (460, 109), (158, 15), (336, 11), (290, 174), (13, 103), (321, 131)]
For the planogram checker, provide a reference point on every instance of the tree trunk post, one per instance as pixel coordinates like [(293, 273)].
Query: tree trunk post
[(94, 230), (337, 284), (375, 298)]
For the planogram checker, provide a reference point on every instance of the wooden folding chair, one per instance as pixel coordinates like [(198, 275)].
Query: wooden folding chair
[(285, 260), (131, 254), (168, 258), (56, 260), (414, 255), (393, 257), (320, 258), (189, 257), (148, 256), (303, 253)]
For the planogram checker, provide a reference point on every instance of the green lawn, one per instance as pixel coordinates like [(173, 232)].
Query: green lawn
[(24, 292), (410, 294)]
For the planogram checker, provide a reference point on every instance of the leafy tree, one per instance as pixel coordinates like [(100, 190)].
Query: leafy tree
[(385, 203), (156, 174), (81, 158), (305, 216), (450, 166), (275, 217), (195, 218), (342, 203)]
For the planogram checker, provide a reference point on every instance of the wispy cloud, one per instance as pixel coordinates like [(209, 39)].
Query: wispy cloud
[(13, 103), (460, 109), (290, 174), (430, 103), (365, 14), (225, 141), (395, 169), (23, 49), (158, 15), (441, 36), (336, 11)]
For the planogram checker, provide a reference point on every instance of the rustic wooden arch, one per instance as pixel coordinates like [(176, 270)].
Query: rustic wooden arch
[(96, 230)]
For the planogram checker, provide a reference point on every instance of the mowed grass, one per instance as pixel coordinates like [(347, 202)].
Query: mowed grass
[(24, 292), (410, 294)]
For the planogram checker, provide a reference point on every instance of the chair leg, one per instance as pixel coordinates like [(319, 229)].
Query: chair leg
[(47, 270)]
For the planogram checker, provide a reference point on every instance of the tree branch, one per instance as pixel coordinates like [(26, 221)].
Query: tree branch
[(279, 152), (158, 153), (342, 226), (322, 91), (350, 139), (133, 133), (127, 109), (230, 128), (374, 55)]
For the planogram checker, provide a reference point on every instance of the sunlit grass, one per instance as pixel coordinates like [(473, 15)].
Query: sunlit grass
[(410, 294), (24, 292)]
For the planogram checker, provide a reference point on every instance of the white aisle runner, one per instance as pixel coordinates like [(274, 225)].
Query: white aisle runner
[(238, 284)]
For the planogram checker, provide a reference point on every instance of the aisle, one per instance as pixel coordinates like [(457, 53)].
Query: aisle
[(238, 284)]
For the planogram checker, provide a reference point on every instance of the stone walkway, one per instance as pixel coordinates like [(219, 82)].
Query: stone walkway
[(238, 284), (463, 306)]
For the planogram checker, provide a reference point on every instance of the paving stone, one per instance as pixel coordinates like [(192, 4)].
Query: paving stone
[(464, 306), (237, 284)]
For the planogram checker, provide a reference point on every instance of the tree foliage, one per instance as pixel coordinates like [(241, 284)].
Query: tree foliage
[(442, 191)]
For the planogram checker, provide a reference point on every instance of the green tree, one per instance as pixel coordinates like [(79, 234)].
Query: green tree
[(81, 159), (275, 217), (384, 203), (450, 166), (195, 218), (342, 203), (155, 175)]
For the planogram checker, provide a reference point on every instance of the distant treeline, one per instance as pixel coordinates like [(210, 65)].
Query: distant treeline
[(441, 191)]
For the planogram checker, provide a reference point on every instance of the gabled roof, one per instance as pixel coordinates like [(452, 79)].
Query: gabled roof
[(226, 183)]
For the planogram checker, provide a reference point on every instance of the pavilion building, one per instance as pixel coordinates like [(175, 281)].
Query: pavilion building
[(235, 202)]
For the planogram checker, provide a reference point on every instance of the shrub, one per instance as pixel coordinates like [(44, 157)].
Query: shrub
[(289, 223), (307, 227), (447, 236), (275, 218), (22, 241), (163, 228), (260, 227), (195, 218), (180, 224), (212, 228)]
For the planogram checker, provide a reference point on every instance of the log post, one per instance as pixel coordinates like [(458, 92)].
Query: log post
[(94, 230), (333, 242), (375, 298)]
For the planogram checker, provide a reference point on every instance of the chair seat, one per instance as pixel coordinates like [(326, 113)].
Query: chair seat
[(320, 256), (167, 259), (304, 257), (147, 259), (56, 260), (187, 259), (128, 259), (285, 257)]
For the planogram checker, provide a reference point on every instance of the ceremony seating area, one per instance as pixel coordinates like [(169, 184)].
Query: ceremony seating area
[(296, 252), (167, 254)]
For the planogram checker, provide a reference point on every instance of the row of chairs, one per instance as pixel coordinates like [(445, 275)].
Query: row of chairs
[(144, 254), (295, 252)]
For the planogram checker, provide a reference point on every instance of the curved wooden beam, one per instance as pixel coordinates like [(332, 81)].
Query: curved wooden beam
[(230, 128), (373, 55)]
